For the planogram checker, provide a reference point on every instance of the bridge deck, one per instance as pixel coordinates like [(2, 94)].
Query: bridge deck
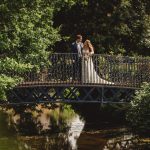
[(73, 84), (66, 79), (68, 69)]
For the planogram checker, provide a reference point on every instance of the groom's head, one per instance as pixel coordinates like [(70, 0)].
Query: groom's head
[(79, 38)]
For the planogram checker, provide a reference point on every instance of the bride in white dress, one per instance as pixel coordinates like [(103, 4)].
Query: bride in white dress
[(89, 74)]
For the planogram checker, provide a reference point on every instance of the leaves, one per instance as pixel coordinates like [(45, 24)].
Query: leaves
[(6, 83), (27, 37), (139, 113), (9, 64), (109, 25)]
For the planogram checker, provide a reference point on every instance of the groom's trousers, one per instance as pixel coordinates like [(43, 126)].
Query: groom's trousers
[(77, 69)]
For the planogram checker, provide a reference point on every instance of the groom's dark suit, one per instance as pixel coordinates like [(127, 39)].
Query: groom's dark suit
[(77, 49)]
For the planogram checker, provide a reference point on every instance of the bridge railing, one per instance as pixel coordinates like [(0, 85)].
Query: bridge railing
[(68, 68)]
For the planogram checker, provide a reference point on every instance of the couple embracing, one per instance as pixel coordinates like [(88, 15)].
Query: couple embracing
[(85, 69)]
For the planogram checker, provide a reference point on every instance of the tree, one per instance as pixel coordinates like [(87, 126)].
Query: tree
[(139, 113), (27, 35), (117, 26)]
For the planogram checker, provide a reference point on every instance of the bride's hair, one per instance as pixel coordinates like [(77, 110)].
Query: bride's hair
[(87, 44)]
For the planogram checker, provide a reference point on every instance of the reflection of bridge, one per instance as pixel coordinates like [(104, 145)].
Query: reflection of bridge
[(60, 81)]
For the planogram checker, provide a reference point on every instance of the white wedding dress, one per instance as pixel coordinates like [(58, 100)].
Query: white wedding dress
[(89, 74)]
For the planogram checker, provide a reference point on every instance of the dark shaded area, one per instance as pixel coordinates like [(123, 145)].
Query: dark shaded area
[(116, 26), (104, 127), (102, 115)]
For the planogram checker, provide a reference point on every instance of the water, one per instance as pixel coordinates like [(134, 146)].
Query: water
[(56, 127)]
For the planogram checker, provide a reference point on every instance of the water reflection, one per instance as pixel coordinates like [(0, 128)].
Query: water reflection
[(57, 127), (76, 127), (40, 127), (111, 139)]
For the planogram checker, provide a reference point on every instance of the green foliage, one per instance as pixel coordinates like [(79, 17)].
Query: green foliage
[(6, 83), (139, 113), (27, 28), (121, 26), (27, 36), (9, 64), (7, 67), (67, 92), (60, 119)]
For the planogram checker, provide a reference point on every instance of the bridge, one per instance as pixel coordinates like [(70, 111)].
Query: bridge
[(62, 80)]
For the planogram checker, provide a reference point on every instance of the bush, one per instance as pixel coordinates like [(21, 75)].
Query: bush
[(139, 113)]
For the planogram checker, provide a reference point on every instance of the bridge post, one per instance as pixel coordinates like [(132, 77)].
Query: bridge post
[(102, 100)]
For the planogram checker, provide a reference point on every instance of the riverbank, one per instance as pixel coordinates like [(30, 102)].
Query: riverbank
[(65, 128)]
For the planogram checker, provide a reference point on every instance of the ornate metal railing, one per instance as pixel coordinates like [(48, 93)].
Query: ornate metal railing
[(67, 68)]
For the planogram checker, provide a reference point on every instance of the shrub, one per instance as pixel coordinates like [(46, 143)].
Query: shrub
[(139, 113)]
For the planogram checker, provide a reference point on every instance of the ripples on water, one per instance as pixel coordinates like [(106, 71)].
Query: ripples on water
[(55, 127)]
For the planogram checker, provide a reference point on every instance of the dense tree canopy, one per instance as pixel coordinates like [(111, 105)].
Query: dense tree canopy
[(27, 28), (31, 29), (117, 26), (27, 35)]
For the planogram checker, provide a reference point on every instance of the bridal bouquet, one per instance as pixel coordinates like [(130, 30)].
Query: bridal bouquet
[(87, 56)]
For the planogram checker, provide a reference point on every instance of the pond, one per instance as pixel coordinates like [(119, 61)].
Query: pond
[(64, 127)]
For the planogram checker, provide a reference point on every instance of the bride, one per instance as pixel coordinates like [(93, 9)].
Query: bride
[(89, 74)]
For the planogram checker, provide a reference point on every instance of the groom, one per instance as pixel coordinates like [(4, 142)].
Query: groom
[(77, 47)]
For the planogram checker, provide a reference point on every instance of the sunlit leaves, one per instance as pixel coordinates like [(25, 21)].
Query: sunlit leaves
[(27, 36), (9, 64), (6, 83)]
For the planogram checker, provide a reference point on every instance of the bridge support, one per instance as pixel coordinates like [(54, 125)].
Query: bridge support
[(27, 95)]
